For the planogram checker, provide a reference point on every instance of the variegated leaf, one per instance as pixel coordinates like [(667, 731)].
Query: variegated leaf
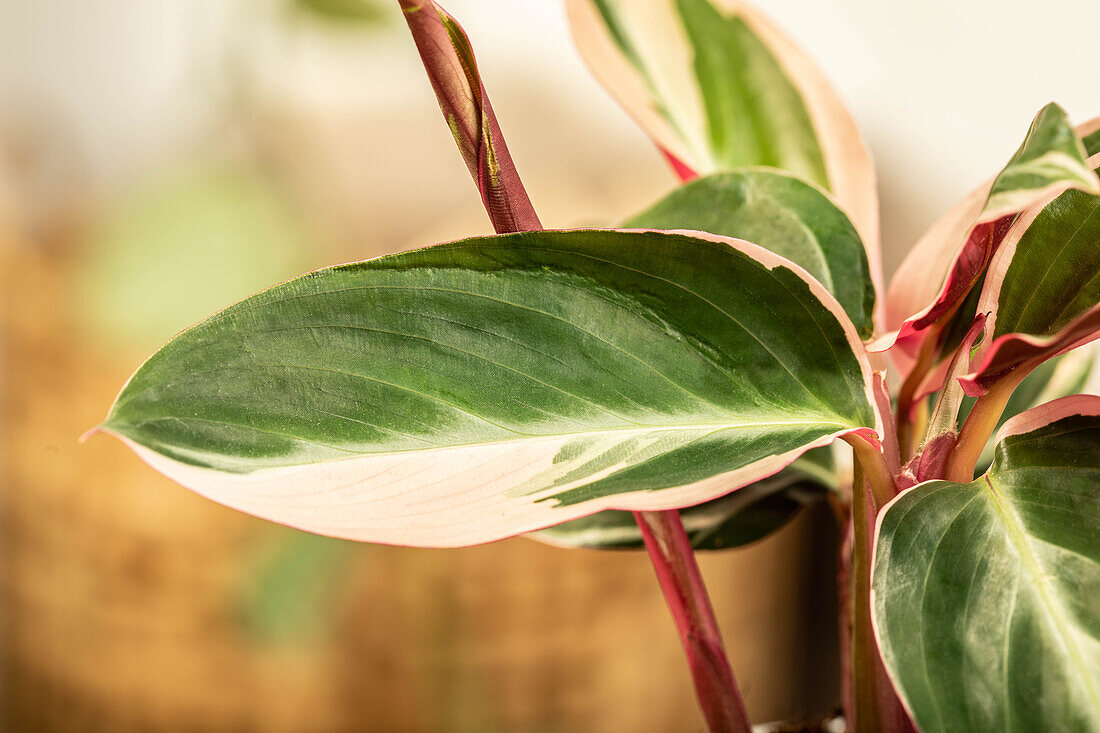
[(472, 391), (734, 520), (986, 595), (943, 267), (718, 86)]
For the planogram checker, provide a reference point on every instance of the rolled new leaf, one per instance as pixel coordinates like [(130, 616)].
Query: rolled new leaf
[(947, 262), (718, 86), (1042, 292), (451, 66), (986, 595), (472, 391), (784, 214)]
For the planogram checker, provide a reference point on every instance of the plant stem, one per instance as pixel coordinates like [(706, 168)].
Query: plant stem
[(870, 700), (674, 561), (865, 714), (871, 465), (979, 425), (908, 390)]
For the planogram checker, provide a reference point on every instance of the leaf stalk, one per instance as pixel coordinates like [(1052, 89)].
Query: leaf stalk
[(674, 562), (979, 425), (872, 461)]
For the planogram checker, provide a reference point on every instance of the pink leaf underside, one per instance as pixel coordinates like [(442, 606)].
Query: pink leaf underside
[(928, 282), (1048, 412), (847, 158), (1014, 351), (453, 73), (388, 504), (889, 435)]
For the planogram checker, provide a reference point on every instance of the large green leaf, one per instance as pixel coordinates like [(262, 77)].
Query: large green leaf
[(794, 219), (718, 86), (476, 390), (783, 214), (1043, 289), (734, 520), (986, 596)]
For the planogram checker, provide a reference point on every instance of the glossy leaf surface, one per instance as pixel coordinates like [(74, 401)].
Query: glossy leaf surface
[(986, 595), (476, 390), (783, 214)]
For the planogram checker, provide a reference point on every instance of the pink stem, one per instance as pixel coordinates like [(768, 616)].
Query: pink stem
[(674, 560)]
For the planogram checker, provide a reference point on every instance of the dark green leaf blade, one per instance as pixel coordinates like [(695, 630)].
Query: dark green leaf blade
[(489, 387), (986, 595), (781, 213)]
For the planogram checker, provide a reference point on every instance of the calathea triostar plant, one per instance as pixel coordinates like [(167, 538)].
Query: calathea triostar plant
[(684, 379)]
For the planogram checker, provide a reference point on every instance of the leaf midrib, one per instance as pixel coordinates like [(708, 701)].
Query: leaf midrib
[(524, 437)]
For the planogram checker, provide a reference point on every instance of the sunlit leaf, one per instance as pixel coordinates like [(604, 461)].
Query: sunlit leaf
[(472, 391), (986, 595)]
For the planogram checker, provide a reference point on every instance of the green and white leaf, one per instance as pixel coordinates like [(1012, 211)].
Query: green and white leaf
[(1051, 158), (738, 106), (783, 214), (986, 596), (489, 387), (734, 520), (798, 221), (719, 86), (1048, 271)]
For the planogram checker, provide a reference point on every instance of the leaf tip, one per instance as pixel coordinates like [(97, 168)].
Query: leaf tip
[(101, 428)]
